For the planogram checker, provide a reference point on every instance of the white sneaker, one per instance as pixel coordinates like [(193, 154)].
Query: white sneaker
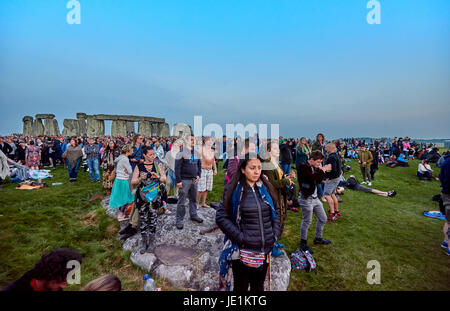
[(369, 183), (363, 183)]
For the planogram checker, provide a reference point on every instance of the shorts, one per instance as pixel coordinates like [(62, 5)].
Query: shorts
[(206, 181), (330, 187)]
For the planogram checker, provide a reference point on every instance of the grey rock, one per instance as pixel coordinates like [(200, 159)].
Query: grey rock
[(119, 128), (38, 127), (27, 125), (180, 130), (132, 242), (164, 130), (51, 127), (71, 127), (95, 128), (188, 258), (145, 261), (280, 273), (45, 116), (145, 128), (130, 127)]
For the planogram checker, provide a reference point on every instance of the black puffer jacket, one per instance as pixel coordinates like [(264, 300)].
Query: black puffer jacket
[(257, 231)]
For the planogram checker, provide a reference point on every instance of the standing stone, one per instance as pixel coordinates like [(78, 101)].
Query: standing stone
[(95, 128), (180, 130), (165, 130), (71, 127), (38, 128), (130, 128), (82, 123), (51, 127), (155, 129), (119, 128), (145, 128), (27, 125)]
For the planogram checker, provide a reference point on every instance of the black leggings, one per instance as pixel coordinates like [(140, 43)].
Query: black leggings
[(243, 276)]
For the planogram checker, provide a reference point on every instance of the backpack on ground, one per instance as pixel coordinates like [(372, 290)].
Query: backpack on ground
[(303, 260)]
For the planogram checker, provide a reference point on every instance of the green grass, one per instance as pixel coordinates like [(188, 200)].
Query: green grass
[(390, 230)]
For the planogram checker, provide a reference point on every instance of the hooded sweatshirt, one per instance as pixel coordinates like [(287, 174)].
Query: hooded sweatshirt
[(122, 163)]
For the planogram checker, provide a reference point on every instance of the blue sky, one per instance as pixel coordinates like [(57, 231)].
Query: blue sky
[(308, 65)]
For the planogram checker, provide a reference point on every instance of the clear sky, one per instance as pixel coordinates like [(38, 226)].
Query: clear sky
[(308, 65)]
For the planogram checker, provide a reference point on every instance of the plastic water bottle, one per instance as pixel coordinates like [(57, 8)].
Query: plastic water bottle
[(149, 284)]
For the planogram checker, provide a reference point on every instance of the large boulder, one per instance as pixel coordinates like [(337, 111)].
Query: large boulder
[(188, 258), (27, 125), (71, 127)]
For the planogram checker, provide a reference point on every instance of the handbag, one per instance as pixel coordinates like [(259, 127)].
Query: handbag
[(252, 259)]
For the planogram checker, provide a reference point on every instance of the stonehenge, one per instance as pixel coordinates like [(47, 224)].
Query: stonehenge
[(94, 125), (27, 125), (181, 129)]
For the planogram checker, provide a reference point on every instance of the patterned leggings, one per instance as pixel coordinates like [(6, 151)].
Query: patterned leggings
[(147, 216)]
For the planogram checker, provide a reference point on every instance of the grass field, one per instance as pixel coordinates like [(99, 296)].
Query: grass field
[(392, 231)]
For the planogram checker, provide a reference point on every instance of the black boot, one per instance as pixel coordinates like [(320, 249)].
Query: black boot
[(145, 242), (128, 234), (126, 229), (305, 247), (150, 243)]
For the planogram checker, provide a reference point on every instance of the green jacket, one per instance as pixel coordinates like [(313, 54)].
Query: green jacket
[(365, 156), (316, 146)]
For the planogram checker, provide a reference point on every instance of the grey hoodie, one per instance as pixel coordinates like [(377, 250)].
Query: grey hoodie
[(121, 163)]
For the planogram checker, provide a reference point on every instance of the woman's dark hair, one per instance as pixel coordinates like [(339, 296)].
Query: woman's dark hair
[(31, 143), (240, 177), (320, 134), (77, 142), (146, 150), (53, 265)]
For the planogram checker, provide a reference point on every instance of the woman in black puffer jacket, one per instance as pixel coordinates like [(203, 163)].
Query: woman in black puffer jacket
[(249, 216)]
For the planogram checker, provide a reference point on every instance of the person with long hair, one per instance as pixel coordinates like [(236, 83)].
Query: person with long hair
[(109, 155), (303, 152), (248, 215), (279, 181), (73, 156)]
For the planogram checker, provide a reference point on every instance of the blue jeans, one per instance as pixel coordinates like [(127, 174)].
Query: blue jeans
[(286, 168), (93, 168), (422, 175), (73, 171), (320, 189)]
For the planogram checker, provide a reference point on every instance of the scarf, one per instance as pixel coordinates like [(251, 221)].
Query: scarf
[(73, 154)]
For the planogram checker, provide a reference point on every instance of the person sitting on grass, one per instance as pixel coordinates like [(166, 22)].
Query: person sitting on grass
[(49, 273), (424, 170), (353, 184)]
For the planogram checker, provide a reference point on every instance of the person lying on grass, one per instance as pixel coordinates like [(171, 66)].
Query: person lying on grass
[(352, 183)]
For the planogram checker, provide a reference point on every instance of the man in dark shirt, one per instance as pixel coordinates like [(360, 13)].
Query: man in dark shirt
[(188, 167), (49, 273), (5, 147), (285, 157), (310, 174)]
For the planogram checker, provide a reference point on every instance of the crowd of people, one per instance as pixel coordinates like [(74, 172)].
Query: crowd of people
[(259, 187)]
